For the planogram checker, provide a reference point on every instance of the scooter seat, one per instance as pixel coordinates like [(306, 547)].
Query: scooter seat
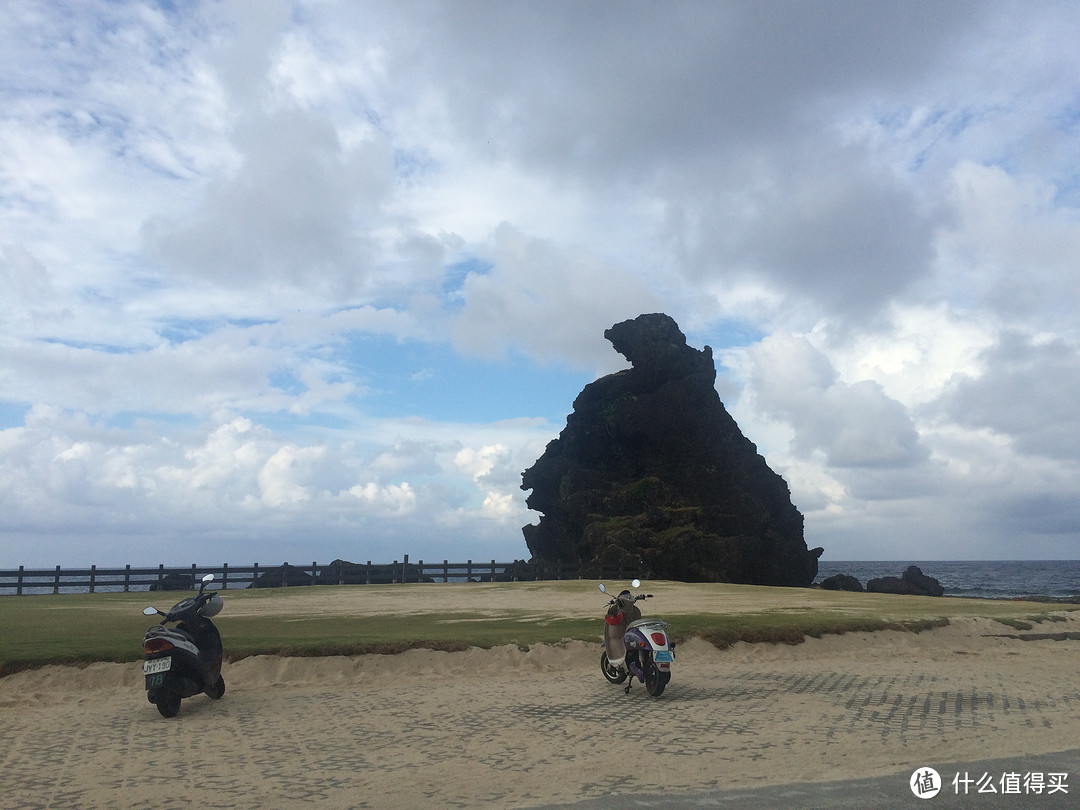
[(641, 622), (179, 638)]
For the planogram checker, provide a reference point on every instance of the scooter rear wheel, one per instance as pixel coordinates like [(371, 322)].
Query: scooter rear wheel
[(217, 690), (611, 672), (168, 704), (655, 680)]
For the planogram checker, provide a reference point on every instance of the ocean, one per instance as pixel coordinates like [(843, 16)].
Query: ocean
[(985, 579)]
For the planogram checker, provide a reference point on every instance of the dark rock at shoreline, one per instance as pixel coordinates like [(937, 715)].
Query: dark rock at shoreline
[(651, 472), (842, 582), (283, 576), (913, 582), (174, 582), (343, 572), (340, 572)]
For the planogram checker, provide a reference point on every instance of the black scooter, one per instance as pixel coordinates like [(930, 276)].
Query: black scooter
[(185, 660)]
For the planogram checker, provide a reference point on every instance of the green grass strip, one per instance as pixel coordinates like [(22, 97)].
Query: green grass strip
[(83, 628)]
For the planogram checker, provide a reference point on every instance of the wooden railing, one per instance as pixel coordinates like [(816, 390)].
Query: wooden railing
[(94, 579)]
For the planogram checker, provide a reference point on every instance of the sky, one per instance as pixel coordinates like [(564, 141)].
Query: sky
[(304, 280)]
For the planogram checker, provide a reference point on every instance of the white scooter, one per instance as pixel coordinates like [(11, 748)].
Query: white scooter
[(634, 646)]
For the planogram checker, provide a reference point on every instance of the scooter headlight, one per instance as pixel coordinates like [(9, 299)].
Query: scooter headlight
[(156, 645)]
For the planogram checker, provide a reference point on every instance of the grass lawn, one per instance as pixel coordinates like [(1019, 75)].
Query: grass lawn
[(83, 628)]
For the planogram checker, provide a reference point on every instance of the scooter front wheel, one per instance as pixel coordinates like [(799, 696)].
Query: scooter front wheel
[(613, 673), (655, 680), (168, 703)]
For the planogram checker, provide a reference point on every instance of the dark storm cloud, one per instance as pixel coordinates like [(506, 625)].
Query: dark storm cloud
[(1029, 391), (589, 87), (724, 112)]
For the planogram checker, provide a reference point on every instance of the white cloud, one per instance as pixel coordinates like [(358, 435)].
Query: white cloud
[(281, 477), (853, 424), (548, 303), (1014, 246), (500, 507), (393, 499), (478, 463)]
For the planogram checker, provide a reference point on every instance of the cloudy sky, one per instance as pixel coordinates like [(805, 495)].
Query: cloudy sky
[(305, 280)]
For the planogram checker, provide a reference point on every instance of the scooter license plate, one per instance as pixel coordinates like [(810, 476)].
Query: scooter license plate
[(157, 665), (663, 656)]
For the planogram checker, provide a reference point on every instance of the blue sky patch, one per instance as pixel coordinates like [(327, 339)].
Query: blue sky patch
[(409, 378)]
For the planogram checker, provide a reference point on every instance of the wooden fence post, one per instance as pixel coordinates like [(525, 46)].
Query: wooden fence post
[(254, 574), (405, 570), (224, 576), (18, 587), (419, 570), (367, 573), (468, 571), (127, 577), (56, 585), (445, 571)]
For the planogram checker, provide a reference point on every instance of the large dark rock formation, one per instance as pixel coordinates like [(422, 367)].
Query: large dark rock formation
[(651, 471)]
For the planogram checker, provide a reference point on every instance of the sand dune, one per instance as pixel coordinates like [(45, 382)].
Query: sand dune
[(508, 728)]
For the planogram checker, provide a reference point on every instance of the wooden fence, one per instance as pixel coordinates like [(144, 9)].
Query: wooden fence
[(94, 579)]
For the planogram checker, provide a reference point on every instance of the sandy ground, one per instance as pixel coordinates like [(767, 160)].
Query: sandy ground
[(505, 728), (570, 599)]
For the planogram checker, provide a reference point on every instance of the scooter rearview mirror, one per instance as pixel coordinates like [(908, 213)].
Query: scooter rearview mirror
[(208, 578), (602, 588), (149, 611), (636, 583)]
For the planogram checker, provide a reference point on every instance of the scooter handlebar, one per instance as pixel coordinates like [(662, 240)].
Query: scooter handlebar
[(638, 598)]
